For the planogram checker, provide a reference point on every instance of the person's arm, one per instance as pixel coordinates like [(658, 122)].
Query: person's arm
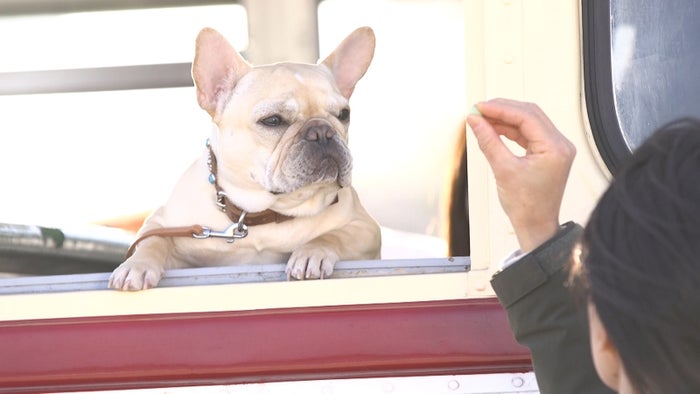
[(544, 316), (542, 312)]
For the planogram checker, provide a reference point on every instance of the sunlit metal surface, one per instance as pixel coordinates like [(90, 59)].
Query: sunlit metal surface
[(234, 274), (454, 384)]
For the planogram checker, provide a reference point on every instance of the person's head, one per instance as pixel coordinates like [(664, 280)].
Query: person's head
[(640, 267)]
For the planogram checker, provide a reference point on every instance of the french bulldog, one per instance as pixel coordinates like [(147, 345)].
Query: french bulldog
[(274, 182)]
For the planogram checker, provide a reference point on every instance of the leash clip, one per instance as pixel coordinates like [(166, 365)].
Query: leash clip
[(236, 230)]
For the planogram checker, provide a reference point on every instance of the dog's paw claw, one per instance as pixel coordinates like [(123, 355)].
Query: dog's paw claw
[(311, 263), (132, 276)]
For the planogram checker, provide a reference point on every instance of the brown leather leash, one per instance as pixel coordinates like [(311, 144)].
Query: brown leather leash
[(184, 231)]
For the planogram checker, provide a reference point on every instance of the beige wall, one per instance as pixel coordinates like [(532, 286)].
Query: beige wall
[(527, 50)]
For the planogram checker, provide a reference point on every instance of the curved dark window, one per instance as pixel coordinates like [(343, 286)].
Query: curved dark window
[(641, 66)]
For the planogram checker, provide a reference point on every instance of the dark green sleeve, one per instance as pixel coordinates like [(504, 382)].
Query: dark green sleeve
[(545, 317)]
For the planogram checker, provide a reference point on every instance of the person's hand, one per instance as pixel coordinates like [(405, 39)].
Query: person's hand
[(530, 187)]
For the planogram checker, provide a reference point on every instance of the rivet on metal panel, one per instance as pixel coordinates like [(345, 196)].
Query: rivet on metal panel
[(453, 385), (518, 381)]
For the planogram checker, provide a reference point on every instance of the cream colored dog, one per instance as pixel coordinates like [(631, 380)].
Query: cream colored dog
[(274, 184)]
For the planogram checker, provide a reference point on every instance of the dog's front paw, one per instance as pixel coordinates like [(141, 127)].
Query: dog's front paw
[(135, 275), (308, 262)]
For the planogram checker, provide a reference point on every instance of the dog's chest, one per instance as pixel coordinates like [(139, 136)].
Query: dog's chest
[(219, 252)]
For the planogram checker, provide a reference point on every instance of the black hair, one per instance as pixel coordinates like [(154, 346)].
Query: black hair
[(641, 261)]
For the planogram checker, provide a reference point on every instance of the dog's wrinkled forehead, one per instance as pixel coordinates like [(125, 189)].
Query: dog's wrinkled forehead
[(289, 88), (294, 107)]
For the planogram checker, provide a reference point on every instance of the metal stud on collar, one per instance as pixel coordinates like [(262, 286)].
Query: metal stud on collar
[(221, 200), (210, 164)]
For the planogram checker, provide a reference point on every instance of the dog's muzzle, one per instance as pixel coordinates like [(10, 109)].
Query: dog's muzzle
[(318, 154)]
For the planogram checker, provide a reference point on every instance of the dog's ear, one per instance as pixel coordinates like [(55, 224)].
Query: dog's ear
[(216, 68), (350, 60)]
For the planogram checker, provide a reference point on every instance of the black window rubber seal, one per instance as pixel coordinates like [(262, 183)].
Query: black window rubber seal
[(598, 85)]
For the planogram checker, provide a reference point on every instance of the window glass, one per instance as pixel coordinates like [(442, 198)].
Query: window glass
[(655, 59), (408, 109), (113, 38), (75, 158)]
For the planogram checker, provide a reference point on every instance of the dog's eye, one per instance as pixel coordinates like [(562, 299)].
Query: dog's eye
[(344, 115), (272, 121)]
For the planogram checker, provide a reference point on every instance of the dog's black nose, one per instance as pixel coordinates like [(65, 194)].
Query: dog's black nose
[(318, 130)]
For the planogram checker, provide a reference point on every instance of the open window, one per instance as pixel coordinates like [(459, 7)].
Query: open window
[(85, 101), (640, 66), (79, 149)]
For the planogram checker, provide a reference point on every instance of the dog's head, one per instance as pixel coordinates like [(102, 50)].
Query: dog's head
[(281, 127)]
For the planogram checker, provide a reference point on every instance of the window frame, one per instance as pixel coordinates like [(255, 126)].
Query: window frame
[(598, 87), (151, 76), (201, 276)]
